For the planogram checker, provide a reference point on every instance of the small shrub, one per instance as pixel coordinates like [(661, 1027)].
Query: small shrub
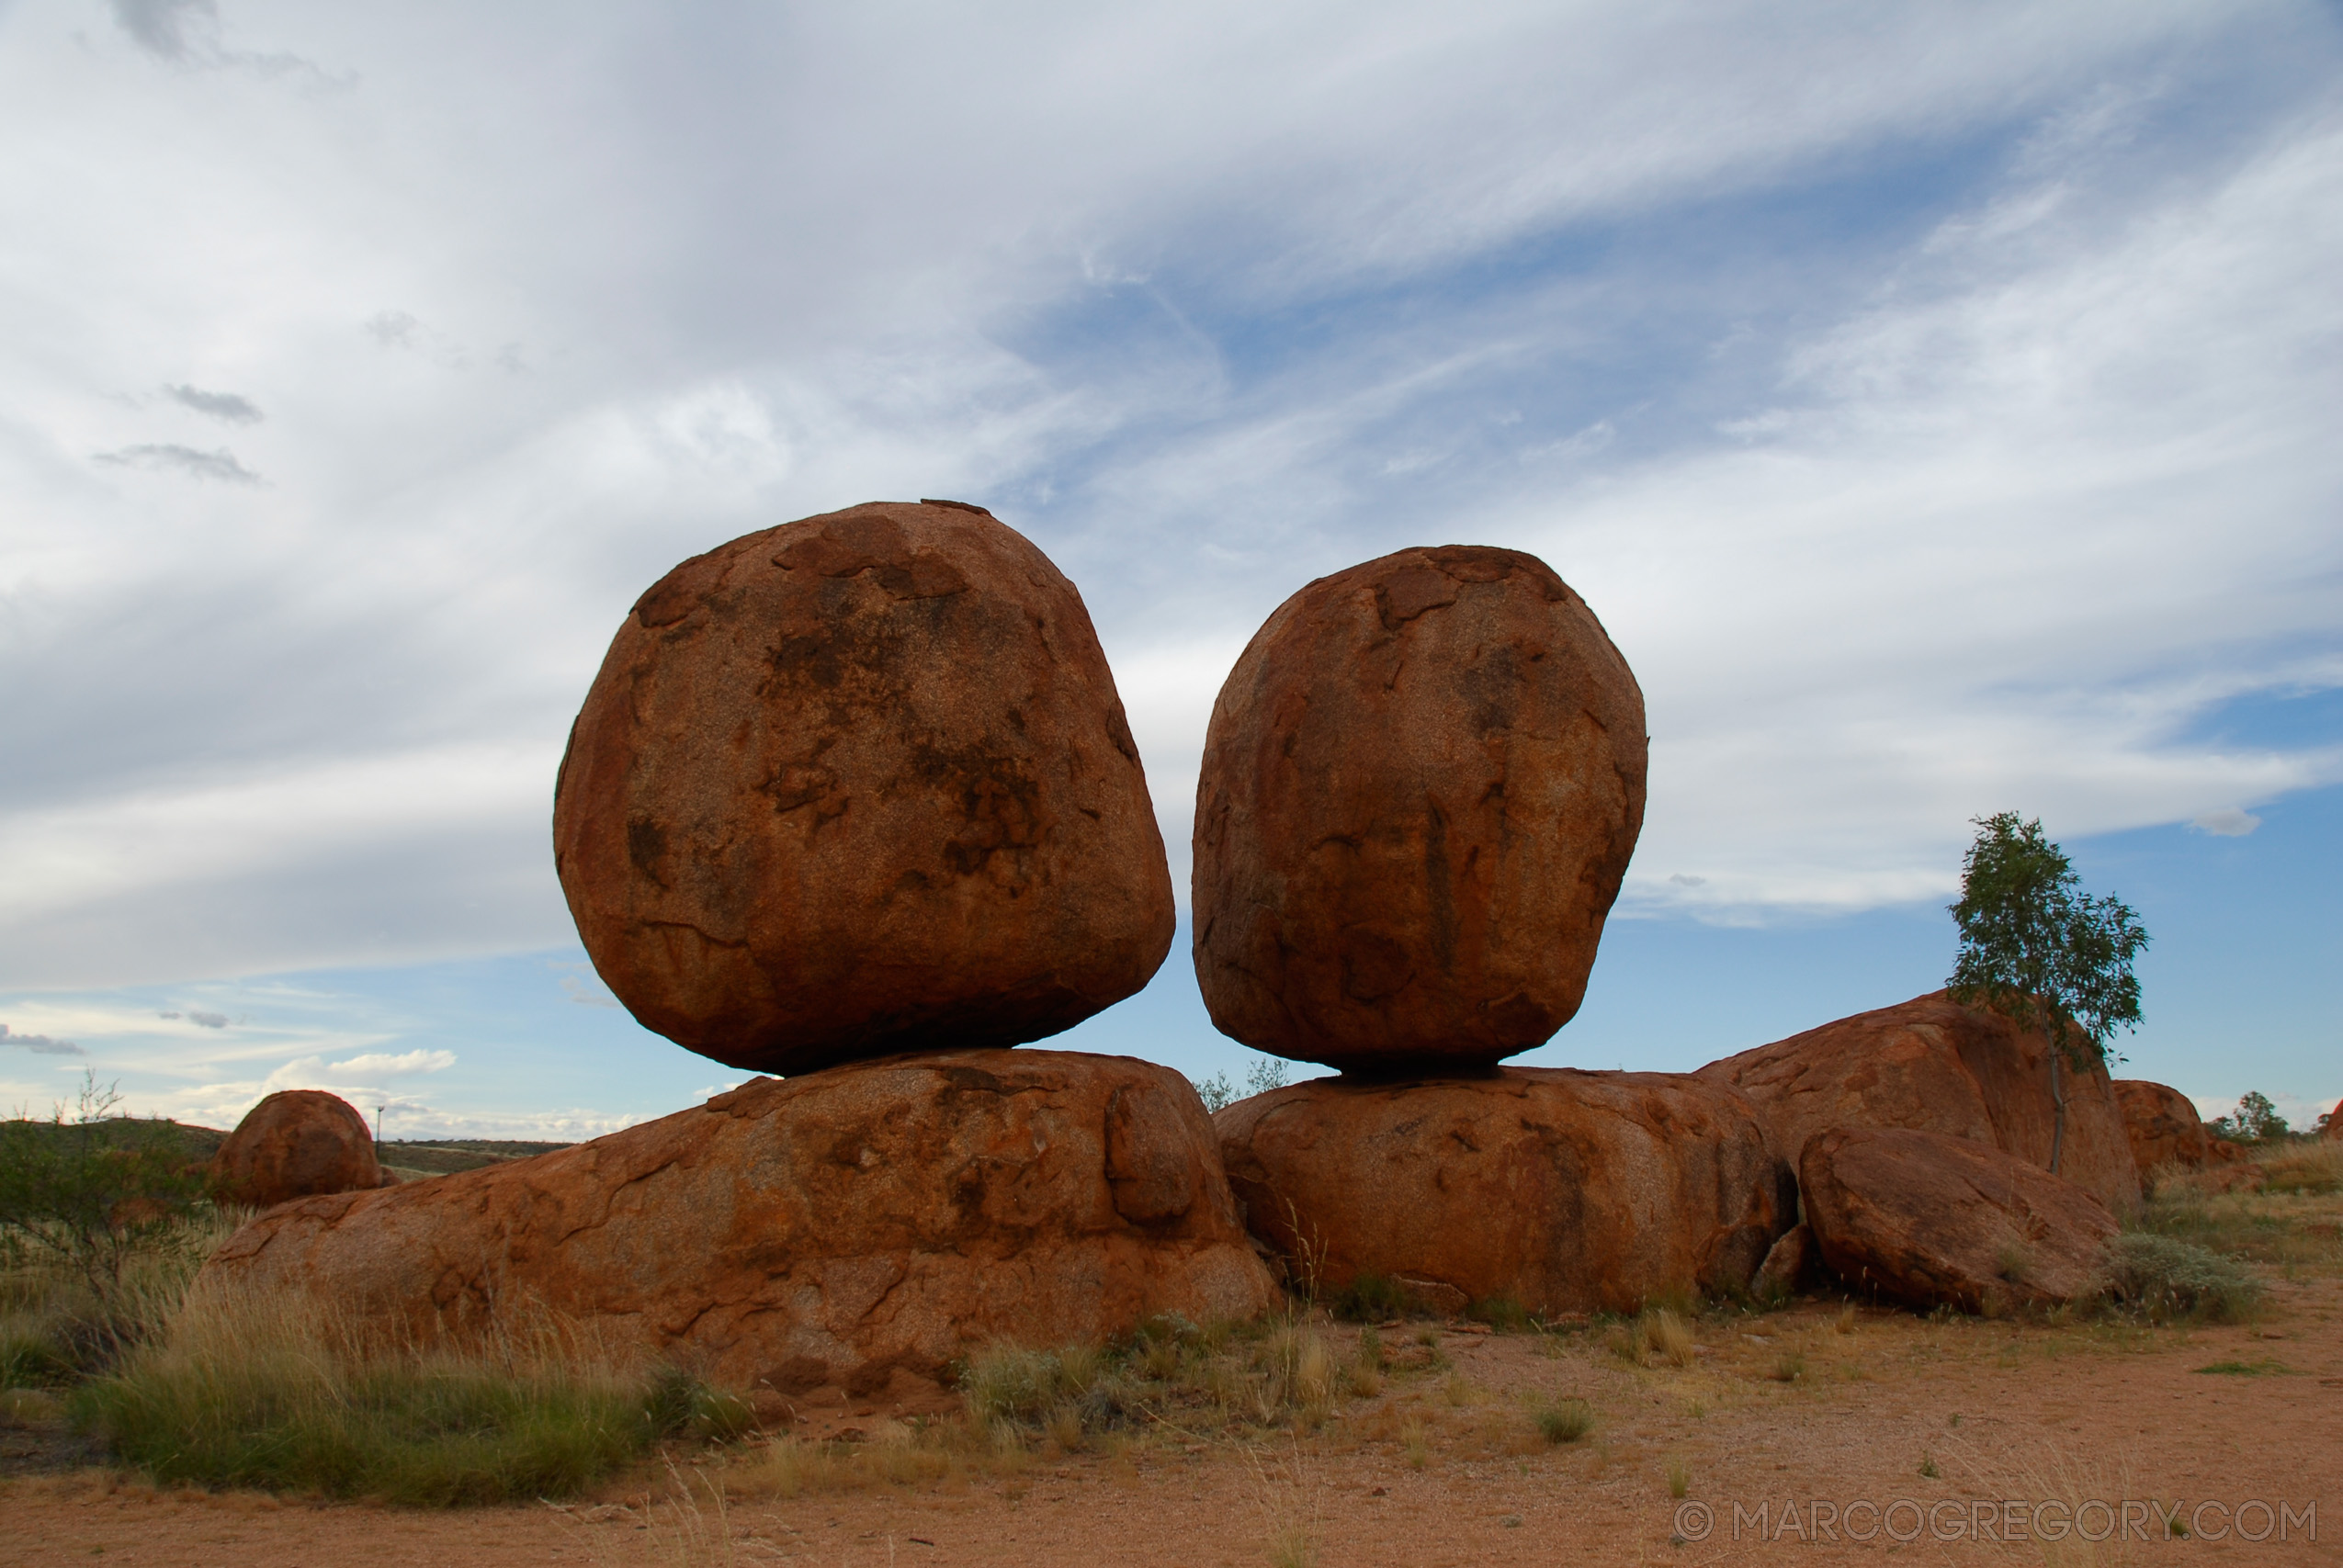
[(2266, 1366), (1415, 1444), (1370, 1298), (2163, 1279), (1680, 1479), (1503, 1313), (1669, 1338), (1215, 1091), (1789, 1367), (1929, 1471), (1564, 1420)]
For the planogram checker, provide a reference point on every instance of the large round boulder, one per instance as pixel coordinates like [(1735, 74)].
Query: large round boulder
[(1934, 1064), (2333, 1122), (1930, 1221), (1561, 1191), (842, 1235), (860, 784), (297, 1142), (1421, 786)]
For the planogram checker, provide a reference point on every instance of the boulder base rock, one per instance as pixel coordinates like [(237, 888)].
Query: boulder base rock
[(1789, 1267), (1930, 1219), (843, 1235), (2164, 1129), (298, 1142), (1933, 1065), (1566, 1191), (860, 784), (1419, 790)]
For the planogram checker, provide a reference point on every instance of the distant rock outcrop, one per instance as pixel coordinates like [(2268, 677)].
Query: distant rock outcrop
[(298, 1142), (2166, 1130), (1419, 790), (1932, 1064), (1931, 1220), (2334, 1128), (860, 784), (840, 1235), (1562, 1190)]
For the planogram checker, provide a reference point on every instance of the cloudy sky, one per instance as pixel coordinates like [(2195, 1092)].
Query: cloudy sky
[(1937, 403)]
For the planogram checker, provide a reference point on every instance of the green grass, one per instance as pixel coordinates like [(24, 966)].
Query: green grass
[(236, 1397), (2263, 1368), (1563, 1420)]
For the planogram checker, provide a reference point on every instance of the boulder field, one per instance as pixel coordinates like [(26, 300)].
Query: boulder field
[(860, 784), (1930, 1219), (840, 1235), (1419, 789), (1562, 1190), (297, 1142), (1932, 1064)]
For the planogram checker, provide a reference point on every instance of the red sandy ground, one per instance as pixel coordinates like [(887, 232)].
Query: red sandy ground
[(2005, 1411)]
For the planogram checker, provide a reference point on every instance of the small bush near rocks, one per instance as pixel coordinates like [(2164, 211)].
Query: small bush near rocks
[(1370, 1298), (1564, 1420), (2164, 1280)]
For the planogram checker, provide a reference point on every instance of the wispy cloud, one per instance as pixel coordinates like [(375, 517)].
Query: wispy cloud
[(166, 457), (377, 1064), (228, 407), (40, 1045), (168, 29)]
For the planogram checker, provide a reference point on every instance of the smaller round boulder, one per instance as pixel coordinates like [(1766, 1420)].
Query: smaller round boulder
[(1419, 789), (298, 1142)]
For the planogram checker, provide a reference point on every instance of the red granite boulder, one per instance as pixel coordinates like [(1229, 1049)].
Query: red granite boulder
[(2164, 1129), (860, 784), (1565, 1192), (1419, 789), (298, 1142), (1931, 1220), (1933, 1065), (842, 1235)]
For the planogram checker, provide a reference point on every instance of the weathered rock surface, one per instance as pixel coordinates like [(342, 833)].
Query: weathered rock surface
[(860, 784), (842, 1235), (1928, 1219), (298, 1142), (1419, 790), (1792, 1264), (1933, 1065), (1566, 1191), (2164, 1129), (2334, 1128)]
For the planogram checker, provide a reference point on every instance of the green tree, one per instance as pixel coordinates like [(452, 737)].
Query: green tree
[(2043, 953), (2255, 1119), (90, 1189)]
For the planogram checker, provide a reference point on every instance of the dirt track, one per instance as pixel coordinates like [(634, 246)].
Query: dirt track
[(2006, 1412)]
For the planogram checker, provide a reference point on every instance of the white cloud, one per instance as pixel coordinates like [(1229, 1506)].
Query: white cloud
[(2227, 822), (1979, 516), (376, 1064)]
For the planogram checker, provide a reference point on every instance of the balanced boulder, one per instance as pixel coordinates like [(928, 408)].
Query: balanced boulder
[(1419, 790), (1931, 1220), (1934, 1064), (842, 1235), (860, 784), (1562, 1191), (2166, 1130), (297, 1142)]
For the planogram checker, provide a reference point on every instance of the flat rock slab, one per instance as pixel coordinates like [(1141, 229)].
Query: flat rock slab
[(1930, 1219), (845, 1235), (297, 1142), (1936, 1065), (1419, 789), (856, 786), (1565, 1191)]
